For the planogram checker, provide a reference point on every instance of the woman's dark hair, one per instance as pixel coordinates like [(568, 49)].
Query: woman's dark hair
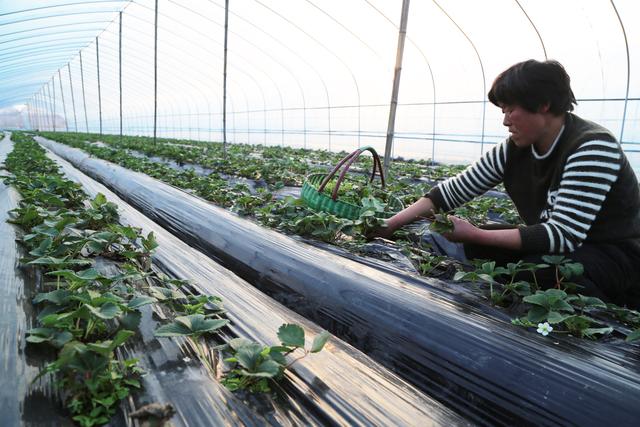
[(533, 84)]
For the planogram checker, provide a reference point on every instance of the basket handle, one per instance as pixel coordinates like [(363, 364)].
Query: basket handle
[(349, 159)]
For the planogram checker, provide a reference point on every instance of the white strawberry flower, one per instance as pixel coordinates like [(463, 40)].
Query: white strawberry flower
[(544, 328)]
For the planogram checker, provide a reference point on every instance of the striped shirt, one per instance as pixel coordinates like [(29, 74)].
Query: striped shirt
[(560, 194)]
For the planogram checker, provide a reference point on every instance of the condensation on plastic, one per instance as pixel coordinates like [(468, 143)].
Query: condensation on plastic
[(482, 367), (338, 386)]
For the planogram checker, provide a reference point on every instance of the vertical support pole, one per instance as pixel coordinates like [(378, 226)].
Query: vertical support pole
[(52, 100), (155, 76), (32, 123), (47, 111), (626, 96), (64, 107), (396, 85), (30, 114), (35, 117), (43, 110), (73, 100), (84, 99), (120, 69), (224, 80), (40, 116), (99, 90)]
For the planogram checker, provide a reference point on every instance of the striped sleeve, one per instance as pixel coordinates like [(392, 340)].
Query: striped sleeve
[(586, 180), (477, 179)]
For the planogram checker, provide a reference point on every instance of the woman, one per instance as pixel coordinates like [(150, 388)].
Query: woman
[(569, 179)]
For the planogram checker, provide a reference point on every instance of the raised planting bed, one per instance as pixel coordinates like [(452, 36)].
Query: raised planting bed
[(91, 378), (412, 250), (338, 385), (256, 198), (465, 354)]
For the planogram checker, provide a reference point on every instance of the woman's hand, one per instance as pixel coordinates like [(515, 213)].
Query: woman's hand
[(463, 231), (383, 231)]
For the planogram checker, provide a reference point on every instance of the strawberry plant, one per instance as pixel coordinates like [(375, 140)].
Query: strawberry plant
[(273, 167), (254, 365), (441, 223)]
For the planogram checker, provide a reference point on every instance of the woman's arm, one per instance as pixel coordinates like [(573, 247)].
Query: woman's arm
[(468, 233), (424, 207)]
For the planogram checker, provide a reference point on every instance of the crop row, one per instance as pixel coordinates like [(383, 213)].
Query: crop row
[(86, 313)]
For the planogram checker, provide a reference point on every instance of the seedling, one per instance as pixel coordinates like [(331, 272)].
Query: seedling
[(441, 223), (565, 270), (254, 365)]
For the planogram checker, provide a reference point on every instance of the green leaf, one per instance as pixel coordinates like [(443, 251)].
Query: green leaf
[(61, 320), (163, 294), (89, 274), (237, 343), (172, 329), (59, 261), (522, 321), (277, 357), (372, 203), (488, 267), (571, 270), (59, 297), (592, 332), (587, 301), (291, 335), (44, 247), (194, 324), (121, 337), (107, 311), (460, 275), (539, 299), (561, 305), (99, 200), (553, 259), (132, 382), (105, 348), (199, 323), (269, 367), (486, 278), (537, 314), (131, 320), (249, 355), (522, 288), (150, 242), (554, 317), (38, 335), (319, 341), (577, 324), (555, 294), (139, 301), (633, 336), (37, 339)]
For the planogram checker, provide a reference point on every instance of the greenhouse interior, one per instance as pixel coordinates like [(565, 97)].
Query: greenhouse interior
[(356, 212)]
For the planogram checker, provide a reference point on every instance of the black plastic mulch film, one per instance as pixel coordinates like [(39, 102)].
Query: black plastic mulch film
[(20, 402), (447, 346), (338, 386), (453, 350)]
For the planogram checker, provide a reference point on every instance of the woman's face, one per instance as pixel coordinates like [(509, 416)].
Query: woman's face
[(526, 127)]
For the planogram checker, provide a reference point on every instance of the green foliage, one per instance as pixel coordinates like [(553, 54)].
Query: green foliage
[(254, 365), (550, 305), (276, 167), (85, 314), (441, 223), (191, 325), (633, 336)]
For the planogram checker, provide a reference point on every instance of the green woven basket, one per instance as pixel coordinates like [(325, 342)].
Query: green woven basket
[(314, 185)]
